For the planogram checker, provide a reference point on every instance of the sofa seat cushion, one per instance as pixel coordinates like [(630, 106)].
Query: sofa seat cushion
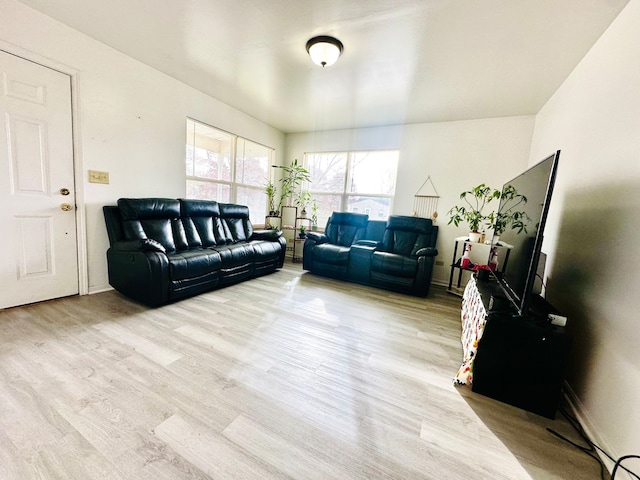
[(235, 255), (193, 263), (331, 254), (393, 265), (265, 250)]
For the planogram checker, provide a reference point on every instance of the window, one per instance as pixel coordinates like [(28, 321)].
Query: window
[(226, 168), (353, 182)]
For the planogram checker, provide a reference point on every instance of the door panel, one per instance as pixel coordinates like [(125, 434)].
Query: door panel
[(28, 165), (38, 257)]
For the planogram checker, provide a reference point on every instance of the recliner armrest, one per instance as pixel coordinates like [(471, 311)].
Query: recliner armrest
[(317, 237), (271, 235), (427, 252), (146, 245)]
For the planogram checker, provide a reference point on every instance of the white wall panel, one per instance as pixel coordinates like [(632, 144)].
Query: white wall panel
[(591, 235)]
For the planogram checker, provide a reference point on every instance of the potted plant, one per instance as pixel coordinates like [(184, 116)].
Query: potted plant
[(508, 214), (303, 232), (472, 212), (303, 198), (314, 215), (270, 190), (292, 179)]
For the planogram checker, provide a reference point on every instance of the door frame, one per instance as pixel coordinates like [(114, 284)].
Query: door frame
[(81, 230)]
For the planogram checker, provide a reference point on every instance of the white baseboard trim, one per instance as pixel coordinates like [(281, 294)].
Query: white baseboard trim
[(100, 289), (581, 414)]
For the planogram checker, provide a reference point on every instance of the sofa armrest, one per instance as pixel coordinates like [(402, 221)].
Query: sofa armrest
[(427, 252), (316, 237), (146, 245), (138, 274), (271, 235)]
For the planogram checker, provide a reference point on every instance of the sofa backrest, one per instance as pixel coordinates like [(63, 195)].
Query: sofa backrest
[(208, 223), (153, 218), (345, 228), (182, 224), (375, 230), (238, 227), (202, 223), (113, 222), (406, 235)]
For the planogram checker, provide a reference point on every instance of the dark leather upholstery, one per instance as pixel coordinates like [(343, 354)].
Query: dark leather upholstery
[(166, 249), (397, 255), (328, 253)]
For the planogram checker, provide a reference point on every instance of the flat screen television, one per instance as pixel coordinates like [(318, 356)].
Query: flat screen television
[(518, 278)]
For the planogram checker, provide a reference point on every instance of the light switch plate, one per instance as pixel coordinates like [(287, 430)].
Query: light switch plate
[(96, 176)]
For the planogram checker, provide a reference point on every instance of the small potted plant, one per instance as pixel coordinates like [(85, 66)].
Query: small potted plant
[(472, 212), (270, 190), (508, 214), (303, 198), (303, 232)]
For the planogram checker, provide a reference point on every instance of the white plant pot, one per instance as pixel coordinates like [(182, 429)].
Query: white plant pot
[(474, 237)]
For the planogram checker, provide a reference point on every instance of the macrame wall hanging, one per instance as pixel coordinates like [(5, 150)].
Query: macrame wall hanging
[(425, 201)]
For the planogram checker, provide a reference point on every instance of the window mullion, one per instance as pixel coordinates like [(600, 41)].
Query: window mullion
[(234, 180)]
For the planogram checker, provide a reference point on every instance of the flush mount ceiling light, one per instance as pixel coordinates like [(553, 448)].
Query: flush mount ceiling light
[(324, 50)]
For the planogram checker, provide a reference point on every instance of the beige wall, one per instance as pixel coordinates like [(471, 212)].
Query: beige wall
[(592, 234), (457, 156), (130, 120)]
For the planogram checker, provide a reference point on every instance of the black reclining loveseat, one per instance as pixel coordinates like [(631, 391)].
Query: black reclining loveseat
[(398, 254), (166, 249)]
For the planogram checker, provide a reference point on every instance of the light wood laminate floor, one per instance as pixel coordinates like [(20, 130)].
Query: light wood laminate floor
[(288, 376)]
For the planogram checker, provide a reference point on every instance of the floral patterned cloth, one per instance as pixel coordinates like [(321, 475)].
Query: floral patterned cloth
[(473, 320)]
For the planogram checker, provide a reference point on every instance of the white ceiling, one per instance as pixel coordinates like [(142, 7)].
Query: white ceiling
[(404, 61)]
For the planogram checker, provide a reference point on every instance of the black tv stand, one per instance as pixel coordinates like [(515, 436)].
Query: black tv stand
[(520, 360)]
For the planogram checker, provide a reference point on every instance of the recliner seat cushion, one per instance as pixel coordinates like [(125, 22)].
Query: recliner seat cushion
[(193, 263), (235, 255), (393, 264), (331, 254), (265, 250)]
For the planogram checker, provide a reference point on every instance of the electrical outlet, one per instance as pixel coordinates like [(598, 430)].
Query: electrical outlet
[(439, 263), (96, 176), (558, 320)]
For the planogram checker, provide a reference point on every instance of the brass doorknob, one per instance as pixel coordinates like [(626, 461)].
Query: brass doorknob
[(64, 191), (66, 207)]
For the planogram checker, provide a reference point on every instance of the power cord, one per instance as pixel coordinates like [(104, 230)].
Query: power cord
[(544, 285), (591, 449), (619, 461)]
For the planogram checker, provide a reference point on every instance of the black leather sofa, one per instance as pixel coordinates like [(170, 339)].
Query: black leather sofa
[(397, 255), (163, 250)]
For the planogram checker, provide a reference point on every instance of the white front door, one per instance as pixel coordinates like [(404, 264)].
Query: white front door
[(38, 247)]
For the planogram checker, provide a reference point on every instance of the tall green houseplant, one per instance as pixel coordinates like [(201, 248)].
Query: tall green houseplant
[(291, 181), (472, 211), (510, 213)]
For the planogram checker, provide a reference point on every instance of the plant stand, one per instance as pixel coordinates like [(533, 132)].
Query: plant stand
[(456, 262)]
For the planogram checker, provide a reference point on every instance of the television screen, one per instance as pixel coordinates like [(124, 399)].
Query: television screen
[(536, 185)]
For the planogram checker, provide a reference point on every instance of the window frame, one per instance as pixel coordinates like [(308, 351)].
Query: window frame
[(345, 194), (233, 184)]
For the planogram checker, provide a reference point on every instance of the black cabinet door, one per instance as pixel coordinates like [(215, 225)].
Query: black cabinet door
[(522, 363)]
